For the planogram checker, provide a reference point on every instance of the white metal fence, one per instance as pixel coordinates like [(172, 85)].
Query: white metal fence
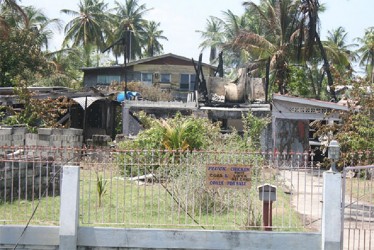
[(170, 189), (136, 190), (29, 179), (358, 200), (159, 189)]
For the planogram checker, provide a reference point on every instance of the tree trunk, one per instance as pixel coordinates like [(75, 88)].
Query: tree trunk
[(326, 67)]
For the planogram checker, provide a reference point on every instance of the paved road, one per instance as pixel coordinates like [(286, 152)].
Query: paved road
[(306, 190)]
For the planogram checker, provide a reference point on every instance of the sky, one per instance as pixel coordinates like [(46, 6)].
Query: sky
[(181, 18)]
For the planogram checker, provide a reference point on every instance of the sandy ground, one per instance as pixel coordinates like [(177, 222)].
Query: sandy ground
[(306, 189)]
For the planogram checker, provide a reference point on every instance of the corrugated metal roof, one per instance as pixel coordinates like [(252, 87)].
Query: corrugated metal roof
[(90, 100), (146, 60)]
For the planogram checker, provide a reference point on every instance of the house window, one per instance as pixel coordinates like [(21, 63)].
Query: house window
[(108, 79), (165, 78), (187, 82), (146, 78)]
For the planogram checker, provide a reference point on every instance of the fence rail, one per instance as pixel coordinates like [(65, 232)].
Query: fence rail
[(159, 189)]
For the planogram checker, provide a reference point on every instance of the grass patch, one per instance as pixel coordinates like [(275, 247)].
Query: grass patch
[(19, 211), (125, 203)]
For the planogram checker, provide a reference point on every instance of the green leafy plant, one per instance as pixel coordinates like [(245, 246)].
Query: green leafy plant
[(355, 132), (101, 187), (252, 129)]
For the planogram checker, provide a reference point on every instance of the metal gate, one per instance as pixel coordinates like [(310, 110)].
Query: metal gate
[(358, 207)]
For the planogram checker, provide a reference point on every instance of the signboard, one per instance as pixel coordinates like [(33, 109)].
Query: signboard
[(228, 176)]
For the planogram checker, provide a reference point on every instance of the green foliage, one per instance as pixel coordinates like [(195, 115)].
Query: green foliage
[(366, 53), (355, 133), (28, 115), (178, 133), (306, 81), (153, 35), (101, 187), (252, 128), (36, 113), (150, 93), (21, 58)]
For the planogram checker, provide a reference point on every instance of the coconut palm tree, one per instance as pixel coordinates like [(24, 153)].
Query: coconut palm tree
[(338, 50), (8, 10), (309, 39), (366, 52), (233, 25), (153, 36), (272, 37), (130, 20), (41, 25), (213, 37), (14, 7), (90, 24)]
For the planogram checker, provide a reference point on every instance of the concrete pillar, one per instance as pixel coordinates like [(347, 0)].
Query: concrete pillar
[(332, 211), (69, 208), (125, 119)]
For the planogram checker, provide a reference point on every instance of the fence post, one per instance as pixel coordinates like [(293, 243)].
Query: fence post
[(125, 119), (69, 208), (331, 210)]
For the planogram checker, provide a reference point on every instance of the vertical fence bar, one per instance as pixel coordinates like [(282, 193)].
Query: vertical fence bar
[(344, 183)]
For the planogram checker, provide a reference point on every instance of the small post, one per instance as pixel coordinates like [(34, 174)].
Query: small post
[(334, 154), (125, 118), (267, 194), (69, 208)]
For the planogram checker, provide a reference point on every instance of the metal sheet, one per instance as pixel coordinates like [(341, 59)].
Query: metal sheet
[(90, 100)]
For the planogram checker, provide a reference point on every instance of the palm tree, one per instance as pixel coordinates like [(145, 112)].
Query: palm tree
[(366, 52), (153, 35), (9, 9), (272, 37), (338, 50), (232, 26), (309, 38), (129, 18), (213, 37), (41, 25), (90, 25), (12, 5)]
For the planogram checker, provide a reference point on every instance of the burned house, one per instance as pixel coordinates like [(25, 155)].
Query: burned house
[(169, 71), (225, 100), (94, 113), (291, 119)]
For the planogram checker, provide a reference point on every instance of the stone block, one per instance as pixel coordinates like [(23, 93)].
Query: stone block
[(55, 143), (73, 131), (43, 137), (19, 130), (6, 131), (77, 138), (19, 143), (56, 138), (6, 137), (58, 131), (31, 139), (18, 137), (43, 143), (44, 131)]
